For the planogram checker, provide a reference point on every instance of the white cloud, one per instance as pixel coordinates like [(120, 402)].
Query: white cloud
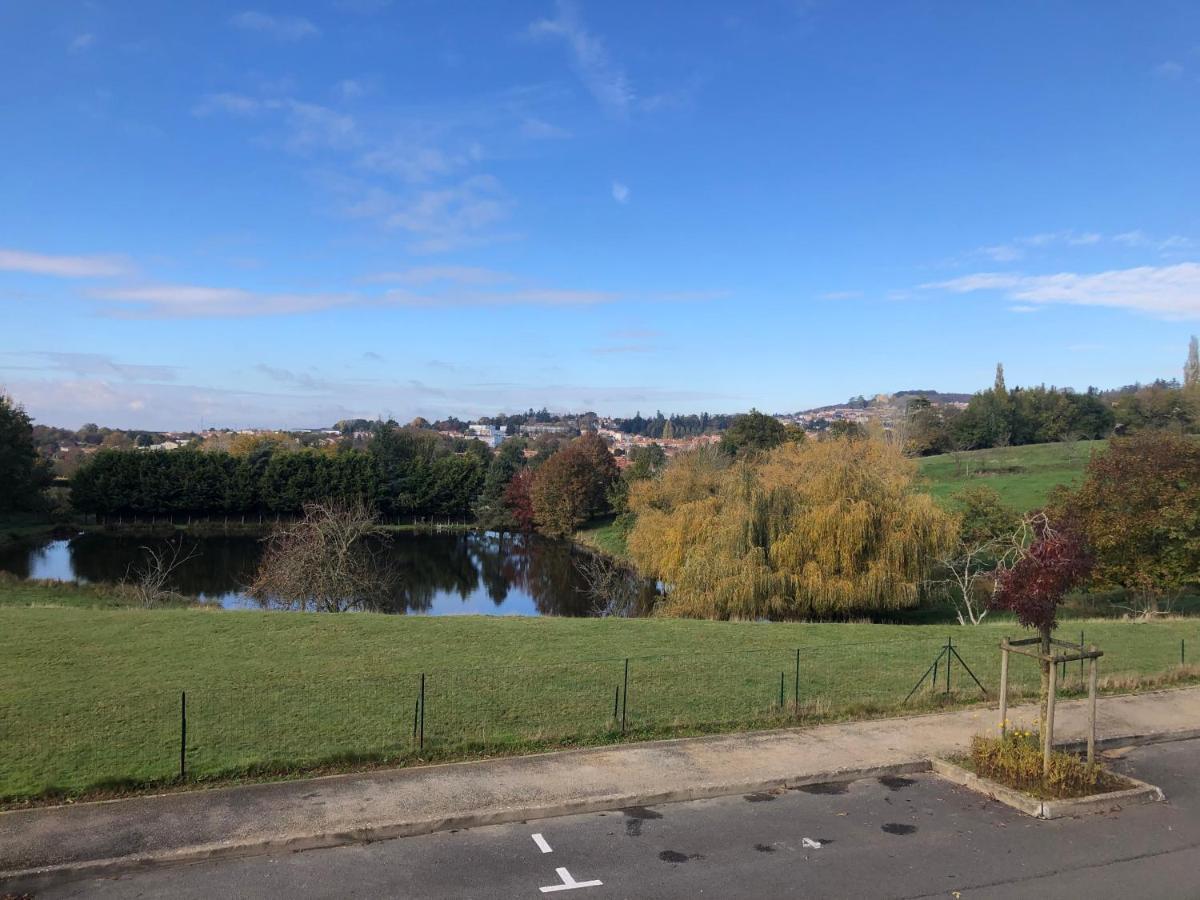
[(350, 89), (620, 192), (605, 80), (417, 163), (841, 295), (521, 297), (433, 274), (447, 218), (60, 266), (81, 42), (1169, 292), (1169, 70), (536, 129), (169, 301), (86, 364), (282, 28)]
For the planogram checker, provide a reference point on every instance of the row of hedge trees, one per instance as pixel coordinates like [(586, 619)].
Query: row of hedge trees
[(402, 473)]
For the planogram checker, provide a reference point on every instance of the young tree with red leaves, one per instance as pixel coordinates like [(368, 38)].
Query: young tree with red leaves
[(1052, 563), (518, 499)]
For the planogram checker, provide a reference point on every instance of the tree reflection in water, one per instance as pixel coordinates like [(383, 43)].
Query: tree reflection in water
[(436, 574)]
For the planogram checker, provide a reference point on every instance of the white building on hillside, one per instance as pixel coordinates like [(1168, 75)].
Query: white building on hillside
[(489, 434)]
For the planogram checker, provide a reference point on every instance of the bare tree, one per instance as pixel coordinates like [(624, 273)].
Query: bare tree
[(614, 587), (149, 580), (972, 568), (325, 561)]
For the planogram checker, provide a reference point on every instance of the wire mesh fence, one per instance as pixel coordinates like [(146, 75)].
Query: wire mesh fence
[(69, 741)]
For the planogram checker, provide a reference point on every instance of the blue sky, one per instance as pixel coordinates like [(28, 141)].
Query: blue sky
[(283, 214)]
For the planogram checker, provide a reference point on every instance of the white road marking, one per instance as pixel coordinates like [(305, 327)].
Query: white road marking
[(811, 844), (541, 842), (568, 883)]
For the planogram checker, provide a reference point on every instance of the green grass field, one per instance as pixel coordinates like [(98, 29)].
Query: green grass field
[(1023, 476), (91, 697)]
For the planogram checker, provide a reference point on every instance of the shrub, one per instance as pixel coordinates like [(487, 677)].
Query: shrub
[(1015, 760)]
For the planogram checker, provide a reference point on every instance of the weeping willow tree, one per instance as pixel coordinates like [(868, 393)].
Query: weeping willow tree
[(814, 530)]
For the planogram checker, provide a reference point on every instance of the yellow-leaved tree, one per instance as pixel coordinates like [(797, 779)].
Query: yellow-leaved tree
[(814, 530)]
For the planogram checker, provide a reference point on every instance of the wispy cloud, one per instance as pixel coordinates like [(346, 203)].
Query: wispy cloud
[(520, 297), (281, 28), (841, 295), (444, 218), (434, 274), (1169, 292), (61, 266), (620, 192), (81, 42), (536, 129), (600, 74), (170, 301), (307, 125), (1170, 70), (89, 364), (1019, 247), (303, 380)]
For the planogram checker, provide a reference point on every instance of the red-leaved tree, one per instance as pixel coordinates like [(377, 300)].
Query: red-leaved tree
[(518, 499), (1052, 562)]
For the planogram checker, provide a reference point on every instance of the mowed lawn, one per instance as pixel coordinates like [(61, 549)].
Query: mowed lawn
[(91, 697), (1023, 476)]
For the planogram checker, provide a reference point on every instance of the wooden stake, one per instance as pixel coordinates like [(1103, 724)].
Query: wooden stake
[(1003, 691), (1091, 753), (1048, 737)]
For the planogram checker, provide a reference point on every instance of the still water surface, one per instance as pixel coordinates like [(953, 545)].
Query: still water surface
[(441, 574)]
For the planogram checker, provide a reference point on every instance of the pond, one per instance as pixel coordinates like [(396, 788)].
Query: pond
[(438, 574)]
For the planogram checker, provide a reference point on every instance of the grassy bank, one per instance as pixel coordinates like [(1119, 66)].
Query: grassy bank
[(603, 534), (92, 696), (1023, 476)]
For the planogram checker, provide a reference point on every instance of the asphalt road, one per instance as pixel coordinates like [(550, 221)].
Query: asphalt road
[(892, 837)]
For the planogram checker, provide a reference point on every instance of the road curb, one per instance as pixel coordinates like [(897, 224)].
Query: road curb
[(41, 878), (30, 879), (1140, 793)]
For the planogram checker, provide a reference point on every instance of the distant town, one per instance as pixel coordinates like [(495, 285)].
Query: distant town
[(675, 433)]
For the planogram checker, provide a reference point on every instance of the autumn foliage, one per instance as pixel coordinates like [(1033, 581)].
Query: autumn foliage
[(819, 529), (1139, 510), (572, 485), (1032, 587)]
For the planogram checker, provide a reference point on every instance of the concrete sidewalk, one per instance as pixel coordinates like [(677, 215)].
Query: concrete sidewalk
[(398, 802)]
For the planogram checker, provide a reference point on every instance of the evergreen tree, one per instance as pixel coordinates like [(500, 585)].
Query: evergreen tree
[(1191, 371), (22, 473)]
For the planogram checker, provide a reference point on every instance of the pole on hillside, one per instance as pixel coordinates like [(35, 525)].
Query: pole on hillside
[(421, 732)]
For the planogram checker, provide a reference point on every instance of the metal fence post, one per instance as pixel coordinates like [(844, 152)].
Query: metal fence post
[(421, 742), (781, 690), (949, 646), (797, 681), (625, 696), (182, 735)]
